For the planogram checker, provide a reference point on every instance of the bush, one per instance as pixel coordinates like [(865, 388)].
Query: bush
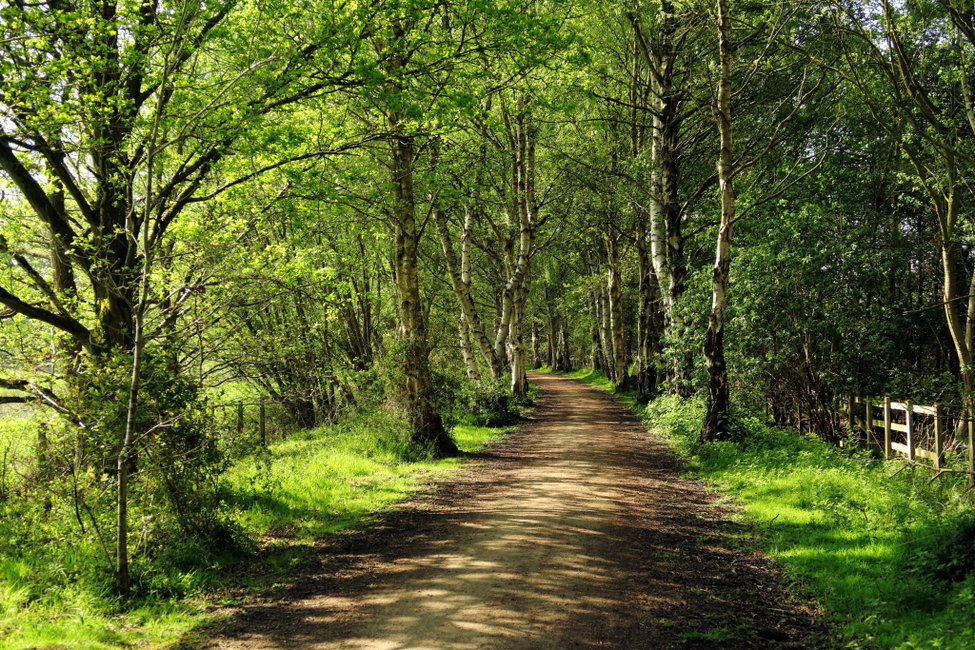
[(946, 553)]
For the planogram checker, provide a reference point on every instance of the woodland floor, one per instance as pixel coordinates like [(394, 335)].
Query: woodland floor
[(577, 531)]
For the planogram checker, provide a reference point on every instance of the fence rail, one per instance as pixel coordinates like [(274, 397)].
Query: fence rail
[(912, 431)]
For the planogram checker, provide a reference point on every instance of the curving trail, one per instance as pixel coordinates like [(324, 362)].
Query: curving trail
[(577, 531)]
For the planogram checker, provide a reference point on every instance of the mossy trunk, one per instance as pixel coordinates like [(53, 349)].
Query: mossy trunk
[(426, 425)]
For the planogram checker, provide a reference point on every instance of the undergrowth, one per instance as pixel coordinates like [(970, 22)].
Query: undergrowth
[(889, 555), (56, 589), (324, 480)]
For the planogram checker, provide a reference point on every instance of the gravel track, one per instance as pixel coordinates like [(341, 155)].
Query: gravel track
[(577, 531)]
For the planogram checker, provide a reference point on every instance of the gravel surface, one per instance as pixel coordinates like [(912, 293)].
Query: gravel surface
[(577, 531)]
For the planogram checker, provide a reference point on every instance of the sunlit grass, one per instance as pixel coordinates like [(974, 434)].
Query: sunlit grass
[(598, 379), (861, 542), (75, 617), (331, 478), (302, 488), (593, 378)]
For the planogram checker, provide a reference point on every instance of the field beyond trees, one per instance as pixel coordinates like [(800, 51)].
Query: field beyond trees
[(272, 266)]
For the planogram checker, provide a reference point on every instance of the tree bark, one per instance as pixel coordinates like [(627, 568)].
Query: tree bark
[(564, 354), (619, 350), (715, 424), (521, 213), (516, 345), (464, 332), (459, 272), (649, 324), (664, 211), (426, 426), (961, 329), (602, 329), (536, 350)]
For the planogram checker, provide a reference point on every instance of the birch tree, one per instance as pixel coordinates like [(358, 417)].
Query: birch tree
[(778, 101)]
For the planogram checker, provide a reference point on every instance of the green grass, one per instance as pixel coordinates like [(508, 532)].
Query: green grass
[(310, 485), (717, 636), (890, 558), (593, 378), (323, 481), (888, 555), (78, 621), (598, 379)]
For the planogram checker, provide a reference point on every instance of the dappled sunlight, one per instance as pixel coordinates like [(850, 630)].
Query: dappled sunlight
[(582, 534)]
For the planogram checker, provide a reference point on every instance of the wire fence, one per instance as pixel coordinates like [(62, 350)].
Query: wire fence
[(241, 424)]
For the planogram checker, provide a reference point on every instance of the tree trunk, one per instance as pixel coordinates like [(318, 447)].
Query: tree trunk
[(536, 350), (565, 357), (605, 337), (619, 349), (665, 214), (715, 424), (553, 332), (464, 332), (649, 324), (595, 337), (459, 272), (961, 334), (521, 133), (426, 426), (516, 346), (595, 354)]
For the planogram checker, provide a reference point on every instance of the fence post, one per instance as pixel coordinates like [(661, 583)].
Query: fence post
[(887, 419), (262, 424), (910, 429), (868, 417), (939, 441), (849, 412), (240, 417), (971, 450)]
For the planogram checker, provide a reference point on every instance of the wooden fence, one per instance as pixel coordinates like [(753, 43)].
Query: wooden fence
[(265, 420), (935, 437)]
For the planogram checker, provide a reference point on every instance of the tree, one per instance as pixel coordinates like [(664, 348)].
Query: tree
[(911, 66), (786, 95), (115, 119), (715, 423)]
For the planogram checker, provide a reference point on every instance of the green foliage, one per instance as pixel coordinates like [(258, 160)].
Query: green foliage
[(888, 557), (948, 555), (56, 584), (176, 453), (323, 480), (329, 478), (250, 142), (477, 402), (57, 527)]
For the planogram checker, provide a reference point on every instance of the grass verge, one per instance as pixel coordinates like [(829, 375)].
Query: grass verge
[(310, 485), (322, 481), (890, 558)]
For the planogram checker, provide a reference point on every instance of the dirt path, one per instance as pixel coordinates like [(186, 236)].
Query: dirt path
[(577, 531)]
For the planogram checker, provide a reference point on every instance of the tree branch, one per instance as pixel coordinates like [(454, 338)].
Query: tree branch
[(64, 323)]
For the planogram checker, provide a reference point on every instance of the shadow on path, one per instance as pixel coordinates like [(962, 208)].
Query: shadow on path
[(577, 531)]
